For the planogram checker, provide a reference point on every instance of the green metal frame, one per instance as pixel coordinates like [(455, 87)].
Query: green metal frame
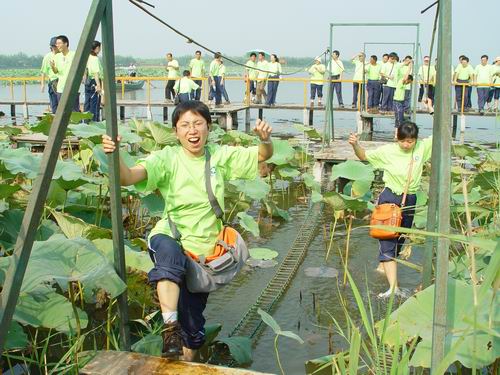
[(329, 132), (100, 13)]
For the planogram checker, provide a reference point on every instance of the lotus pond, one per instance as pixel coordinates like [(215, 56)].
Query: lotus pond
[(328, 320)]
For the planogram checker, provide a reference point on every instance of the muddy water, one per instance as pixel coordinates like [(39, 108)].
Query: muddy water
[(305, 306)]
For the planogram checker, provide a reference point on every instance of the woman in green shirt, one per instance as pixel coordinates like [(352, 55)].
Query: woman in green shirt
[(178, 173), (92, 79), (272, 84), (395, 160)]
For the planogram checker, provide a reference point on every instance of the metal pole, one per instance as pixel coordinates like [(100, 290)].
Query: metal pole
[(415, 73), (442, 121), (34, 210), (114, 170)]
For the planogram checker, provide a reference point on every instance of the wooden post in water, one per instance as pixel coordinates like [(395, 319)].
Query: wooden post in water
[(122, 112), (247, 120), (165, 114), (455, 125), (13, 113), (311, 116), (261, 113)]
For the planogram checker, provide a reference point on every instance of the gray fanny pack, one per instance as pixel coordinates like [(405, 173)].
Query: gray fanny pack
[(208, 276)]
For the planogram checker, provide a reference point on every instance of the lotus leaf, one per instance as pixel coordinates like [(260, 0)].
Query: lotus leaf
[(154, 203), (150, 344), (353, 170), (255, 189), (316, 197), (138, 260), (341, 202), (262, 253), (16, 338), (95, 130), (309, 131), (74, 227), (162, 134), (20, 160), (240, 348), (248, 223), (274, 210), (10, 130), (282, 152), (7, 190), (311, 182), (286, 171)]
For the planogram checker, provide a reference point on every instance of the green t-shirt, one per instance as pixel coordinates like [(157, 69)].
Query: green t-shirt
[(393, 70), (185, 85), (274, 68), (173, 69), (336, 67), (358, 70), (399, 93), (46, 68), (181, 182), (403, 71), (94, 66), (395, 163), (222, 70), (373, 71), (484, 73), (263, 65), (496, 75), (215, 68), (197, 68), (317, 71), (464, 74), (422, 74), (252, 73), (63, 64)]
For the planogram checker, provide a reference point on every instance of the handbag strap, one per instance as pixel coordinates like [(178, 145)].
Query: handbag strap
[(219, 213), (408, 180)]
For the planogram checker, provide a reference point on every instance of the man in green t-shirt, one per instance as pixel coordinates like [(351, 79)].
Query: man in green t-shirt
[(179, 173), (495, 90), (197, 70), (336, 69), (373, 85), (250, 75), (262, 74), (61, 66), (463, 76), (359, 65), (399, 99), (387, 73), (215, 80), (185, 87), (172, 69), (427, 79), (47, 73), (483, 76)]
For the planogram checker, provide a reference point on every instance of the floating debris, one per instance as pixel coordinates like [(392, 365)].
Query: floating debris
[(261, 263)]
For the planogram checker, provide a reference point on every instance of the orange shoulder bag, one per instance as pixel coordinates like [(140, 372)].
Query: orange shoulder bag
[(389, 214)]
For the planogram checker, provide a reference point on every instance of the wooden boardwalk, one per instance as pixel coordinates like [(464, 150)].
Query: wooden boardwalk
[(126, 363), (337, 152)]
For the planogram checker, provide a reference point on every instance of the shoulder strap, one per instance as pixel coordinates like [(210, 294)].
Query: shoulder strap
[(408, 179), (211, 197)]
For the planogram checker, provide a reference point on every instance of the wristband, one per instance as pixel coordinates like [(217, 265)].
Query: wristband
[(267, 142)]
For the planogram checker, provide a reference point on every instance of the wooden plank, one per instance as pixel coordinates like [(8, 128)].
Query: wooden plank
[(342, 150), (118, 363)]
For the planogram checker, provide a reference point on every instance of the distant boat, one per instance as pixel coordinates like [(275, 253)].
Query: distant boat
[(130, 85)]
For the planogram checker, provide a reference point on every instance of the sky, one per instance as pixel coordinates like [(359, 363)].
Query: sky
[(284, 27)]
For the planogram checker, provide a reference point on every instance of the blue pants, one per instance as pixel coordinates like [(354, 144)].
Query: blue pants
[(196, 95), (337, 88), (493, 93), (253, 87), (170, 263), (406, 105), (218, 90), (374, 88), (272, 89), (389, 249), (54, 101), (469, 97), (355, 92), (76, 104), (388, 93), (430, 92), (316, 89), (459, 90), (92, 102), (398, 112), (482, 97), (184, 97), (224, 92)]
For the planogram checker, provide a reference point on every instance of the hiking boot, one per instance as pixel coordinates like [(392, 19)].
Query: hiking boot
[(172, 341)]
